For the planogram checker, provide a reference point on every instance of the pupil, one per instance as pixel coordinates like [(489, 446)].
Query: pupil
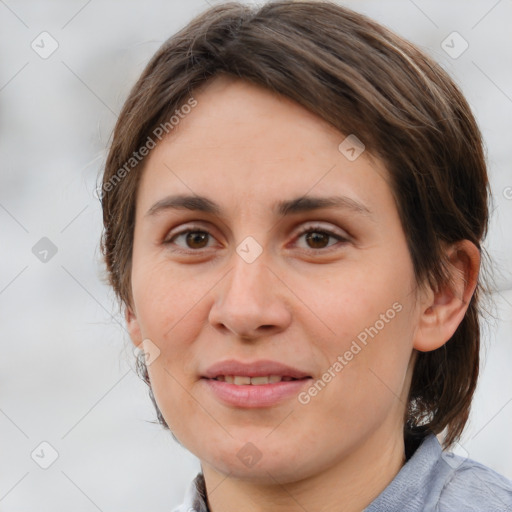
[(196, 236), (316, 237)]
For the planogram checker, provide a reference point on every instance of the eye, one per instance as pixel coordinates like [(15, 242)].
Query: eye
[(317, 237), (194, 238)]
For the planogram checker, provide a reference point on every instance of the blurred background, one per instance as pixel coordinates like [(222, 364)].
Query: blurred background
[(75, 420)]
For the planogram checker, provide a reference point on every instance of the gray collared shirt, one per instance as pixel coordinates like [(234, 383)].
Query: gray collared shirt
[(430, 481)]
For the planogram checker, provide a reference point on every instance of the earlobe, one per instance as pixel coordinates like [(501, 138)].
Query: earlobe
[(132, 325), (442, 310)]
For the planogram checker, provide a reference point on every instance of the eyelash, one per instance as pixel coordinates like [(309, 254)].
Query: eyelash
[(308, 229)]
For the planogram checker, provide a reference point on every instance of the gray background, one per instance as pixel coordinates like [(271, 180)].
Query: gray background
[(66, 371)]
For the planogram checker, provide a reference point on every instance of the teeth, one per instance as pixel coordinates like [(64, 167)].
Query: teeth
[(239, 381), (255, 381)]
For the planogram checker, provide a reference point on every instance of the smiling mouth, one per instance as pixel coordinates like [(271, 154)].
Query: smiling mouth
[(241, 380)]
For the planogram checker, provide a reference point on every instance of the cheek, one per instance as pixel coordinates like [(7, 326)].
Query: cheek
[(365, 371), (370, 308), (172, 317), (170, 313), (362, 297), (162, 294)]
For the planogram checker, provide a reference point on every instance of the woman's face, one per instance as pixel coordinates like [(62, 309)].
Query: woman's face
[(254, 272)]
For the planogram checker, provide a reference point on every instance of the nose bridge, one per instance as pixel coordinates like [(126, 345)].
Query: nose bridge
[(249, 261), (249, 269), (248, 298)]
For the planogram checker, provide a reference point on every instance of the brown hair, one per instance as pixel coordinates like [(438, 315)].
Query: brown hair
[(364, 80)]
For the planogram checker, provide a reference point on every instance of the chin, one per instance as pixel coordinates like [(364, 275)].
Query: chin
[(264, 464)]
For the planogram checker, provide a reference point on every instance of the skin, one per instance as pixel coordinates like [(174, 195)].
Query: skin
[(300, 302)]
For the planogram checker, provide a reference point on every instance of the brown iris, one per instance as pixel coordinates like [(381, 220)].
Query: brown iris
[(317, 237)]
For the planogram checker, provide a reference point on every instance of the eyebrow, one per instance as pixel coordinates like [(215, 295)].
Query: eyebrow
[(281, 208)]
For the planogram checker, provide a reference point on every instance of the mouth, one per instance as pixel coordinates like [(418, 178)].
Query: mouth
[(256, 384), (244, 380), (245, 392), (256, 372)]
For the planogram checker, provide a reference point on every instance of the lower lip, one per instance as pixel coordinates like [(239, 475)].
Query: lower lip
[(249, 396)]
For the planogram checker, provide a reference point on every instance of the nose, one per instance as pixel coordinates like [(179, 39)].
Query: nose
[(251, 301)]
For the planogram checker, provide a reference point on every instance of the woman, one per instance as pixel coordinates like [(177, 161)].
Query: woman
[(294, 203)]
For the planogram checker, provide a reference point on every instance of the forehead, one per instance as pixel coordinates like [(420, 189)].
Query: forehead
[(243, 141), (237, 117)]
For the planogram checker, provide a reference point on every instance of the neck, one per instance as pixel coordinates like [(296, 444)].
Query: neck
[(349, 486)]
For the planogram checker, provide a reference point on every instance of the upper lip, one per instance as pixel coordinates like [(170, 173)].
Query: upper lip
[(259, 368)]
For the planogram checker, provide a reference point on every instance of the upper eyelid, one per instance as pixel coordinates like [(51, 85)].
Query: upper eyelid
[(319, 227), (303, 226)]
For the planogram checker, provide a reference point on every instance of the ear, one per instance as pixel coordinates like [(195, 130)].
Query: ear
[(133, 326), (442, 310)]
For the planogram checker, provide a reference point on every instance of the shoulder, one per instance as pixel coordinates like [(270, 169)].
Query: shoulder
[(473, 486), (436, 481)]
